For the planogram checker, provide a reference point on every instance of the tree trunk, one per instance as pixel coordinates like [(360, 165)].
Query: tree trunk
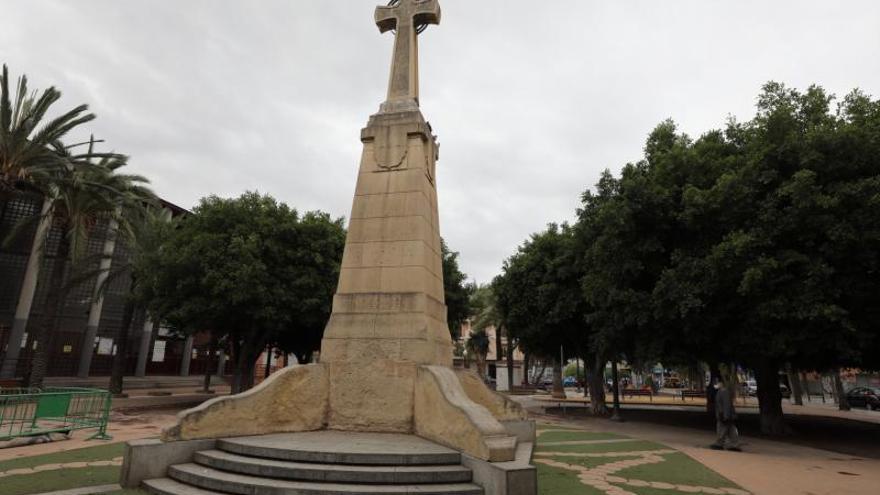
[(770, 398), (509, 359), (268, 370), (499, 352), (597, 387), (526, 370), (26, 294), (97, 304), (53, 308), (714, 377), (209, 363), (615, 387), (237, 369), (246, 359), (797, 391), (121, 357), (558, 389), (842, 402)]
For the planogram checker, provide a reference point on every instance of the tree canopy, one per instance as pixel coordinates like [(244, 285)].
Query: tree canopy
[(252, 271), (756, 245)]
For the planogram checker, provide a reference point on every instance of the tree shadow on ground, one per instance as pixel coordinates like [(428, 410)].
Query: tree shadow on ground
[(842, 436)]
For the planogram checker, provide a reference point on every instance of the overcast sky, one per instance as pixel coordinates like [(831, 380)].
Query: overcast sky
[(531, 100)]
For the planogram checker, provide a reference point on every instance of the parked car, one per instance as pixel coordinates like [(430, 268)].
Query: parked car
[(569, 381), (864, 397), (750, 388)]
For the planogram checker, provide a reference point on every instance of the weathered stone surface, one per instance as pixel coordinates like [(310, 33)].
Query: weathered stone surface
[(333, 473), (516, 477), (501, 407), (294, 399), (445, 414), (150, 458), (212, 479), (345, 448)]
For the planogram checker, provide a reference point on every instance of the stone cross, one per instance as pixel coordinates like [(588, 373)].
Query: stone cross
[(407, 17)]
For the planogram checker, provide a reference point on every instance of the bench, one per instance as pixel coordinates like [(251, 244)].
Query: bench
[(635, 392), (693, 394), (13, 383)]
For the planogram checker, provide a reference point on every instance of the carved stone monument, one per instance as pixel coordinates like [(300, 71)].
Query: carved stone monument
[(386, 355)]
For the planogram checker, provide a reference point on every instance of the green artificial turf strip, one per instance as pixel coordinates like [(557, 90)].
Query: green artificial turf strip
[(568, 436), (592, 462), (633, 446), (678, 469), (62, 479), (555, 481), (547, 426), (103, 452)]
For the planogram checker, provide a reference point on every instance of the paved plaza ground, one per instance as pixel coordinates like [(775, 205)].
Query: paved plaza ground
[(657, 451)]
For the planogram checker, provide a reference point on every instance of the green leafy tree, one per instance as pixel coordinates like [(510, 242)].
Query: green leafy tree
[(252, 271), (755, 245), (456, 290), (539, 299)]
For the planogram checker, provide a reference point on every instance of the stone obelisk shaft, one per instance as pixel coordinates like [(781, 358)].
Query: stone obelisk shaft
[(389, 313)]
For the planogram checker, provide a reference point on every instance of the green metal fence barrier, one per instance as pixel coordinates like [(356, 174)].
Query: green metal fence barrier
[(27, 412)]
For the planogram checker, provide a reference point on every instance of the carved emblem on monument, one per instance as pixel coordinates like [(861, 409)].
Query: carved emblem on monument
[(390, 146)]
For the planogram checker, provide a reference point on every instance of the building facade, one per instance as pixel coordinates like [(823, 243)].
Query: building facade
[(152, 349)]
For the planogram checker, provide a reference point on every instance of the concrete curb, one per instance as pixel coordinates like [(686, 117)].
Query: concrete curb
[(88, 490)]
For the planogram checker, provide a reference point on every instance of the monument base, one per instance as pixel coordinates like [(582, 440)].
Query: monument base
[(452, 408)]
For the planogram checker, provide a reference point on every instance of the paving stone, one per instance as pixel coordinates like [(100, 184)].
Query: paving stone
[(662, 486), (14, 472)]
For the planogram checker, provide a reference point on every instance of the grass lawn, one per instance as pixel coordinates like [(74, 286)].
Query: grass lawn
[(635, 445), (103, 452), (591, 462), (678, 469), (569, 436), (554, 481), (63, 479)]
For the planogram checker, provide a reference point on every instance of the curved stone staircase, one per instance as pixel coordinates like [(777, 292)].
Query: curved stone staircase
[(320, 463)]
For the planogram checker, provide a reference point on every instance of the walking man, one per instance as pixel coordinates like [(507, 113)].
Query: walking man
[(725, 414)]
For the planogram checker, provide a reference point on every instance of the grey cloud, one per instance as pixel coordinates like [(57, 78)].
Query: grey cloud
[(530, 100)]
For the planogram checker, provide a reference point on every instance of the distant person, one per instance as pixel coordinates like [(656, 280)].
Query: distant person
[(725, 414)]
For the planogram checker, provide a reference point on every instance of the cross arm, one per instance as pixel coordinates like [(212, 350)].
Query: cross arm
[(426, 12), (386, 18)]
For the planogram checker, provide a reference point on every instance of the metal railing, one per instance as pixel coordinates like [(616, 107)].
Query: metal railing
[(28, 412)]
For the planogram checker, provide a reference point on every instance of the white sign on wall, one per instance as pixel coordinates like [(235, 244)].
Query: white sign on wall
[(159, 351)]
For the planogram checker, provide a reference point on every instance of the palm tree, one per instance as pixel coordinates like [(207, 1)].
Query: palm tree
[(28, 157), (26, 149), (478, 343), (145, 238), (82, 193), (488, 314), (125, 223)]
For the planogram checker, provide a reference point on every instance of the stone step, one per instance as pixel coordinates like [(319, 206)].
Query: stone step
[(334, 473), (168, 486), (211, 479), (337, 447)]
